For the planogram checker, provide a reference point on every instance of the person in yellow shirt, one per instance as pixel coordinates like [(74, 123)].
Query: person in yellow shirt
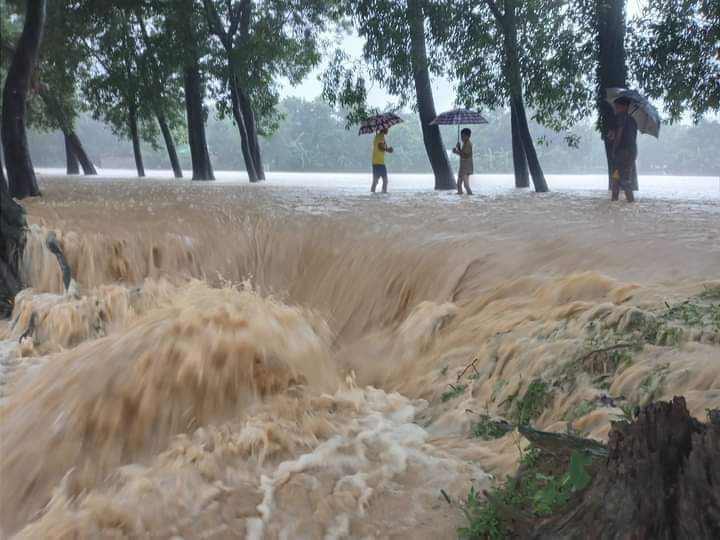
[(466, 161), (378, 160)]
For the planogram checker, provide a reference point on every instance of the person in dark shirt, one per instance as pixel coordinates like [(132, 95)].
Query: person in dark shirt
[(623, 138)]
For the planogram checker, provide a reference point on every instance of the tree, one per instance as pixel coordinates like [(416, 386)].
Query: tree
[(261, 42), (114, 89), (400, 57), (501, 53), (675, 55), (161, 82), (21, 176), (55, 102), (181, 35)]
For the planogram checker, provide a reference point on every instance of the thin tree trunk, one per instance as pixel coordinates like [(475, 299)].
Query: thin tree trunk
[(508, 24), (611, 70), (251, 129), (242, 126), (202, 168), (79, 152), (73, 167), (21, 176), (522, 178), (170, 145), (536, 172), (432, 138), (134, 135)]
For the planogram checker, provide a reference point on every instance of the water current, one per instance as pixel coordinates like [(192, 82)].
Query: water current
[(303, 360)]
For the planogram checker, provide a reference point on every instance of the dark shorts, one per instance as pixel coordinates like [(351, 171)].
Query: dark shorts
[(379, 171)]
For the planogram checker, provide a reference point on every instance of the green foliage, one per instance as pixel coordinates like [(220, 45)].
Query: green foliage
[(672, 43), (535, 488), (482, 519), (531, 404), (453, 392), (703, 310), (264, 42), (488, 428), (547, 41)]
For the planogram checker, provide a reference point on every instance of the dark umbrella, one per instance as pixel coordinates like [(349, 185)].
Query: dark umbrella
[(378, 122), (643, 112), (459, 117)]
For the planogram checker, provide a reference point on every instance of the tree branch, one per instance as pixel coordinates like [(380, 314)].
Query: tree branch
[(214, 22), (495, 10)]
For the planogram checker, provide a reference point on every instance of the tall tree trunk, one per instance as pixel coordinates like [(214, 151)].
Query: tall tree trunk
[(73, 167), (170, 145), (21, 176), (509, 26), (611, 67), (522, 178), (199, 155), (241, 125), (79, 152), (135, 136), (251, 128), (533, 162), (432, 139)]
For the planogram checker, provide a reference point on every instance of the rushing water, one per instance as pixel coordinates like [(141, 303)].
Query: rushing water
[(269, 361)]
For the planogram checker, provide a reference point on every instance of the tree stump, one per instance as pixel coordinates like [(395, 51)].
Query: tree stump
[(660, 481), (12, 243)]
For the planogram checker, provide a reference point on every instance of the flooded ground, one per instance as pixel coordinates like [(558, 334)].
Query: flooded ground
[(312, 361)]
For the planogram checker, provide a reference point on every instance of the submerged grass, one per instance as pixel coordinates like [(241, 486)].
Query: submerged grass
[(530, 405), (489, 428), (454, 391), (542, 486)]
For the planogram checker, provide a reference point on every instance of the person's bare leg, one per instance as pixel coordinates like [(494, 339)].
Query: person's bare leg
[(460, 185), (615, 190), (466, 181), (629, 195), (374, 184), (385, 183)]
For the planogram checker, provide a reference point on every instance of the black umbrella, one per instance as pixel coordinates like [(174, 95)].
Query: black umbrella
[(643, 112)]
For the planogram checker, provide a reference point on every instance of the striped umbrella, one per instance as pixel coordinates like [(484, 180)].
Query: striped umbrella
[(458, 117), (378, 122)]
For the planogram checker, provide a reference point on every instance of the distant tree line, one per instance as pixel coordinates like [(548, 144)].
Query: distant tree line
[(150, 68), (312, 137)]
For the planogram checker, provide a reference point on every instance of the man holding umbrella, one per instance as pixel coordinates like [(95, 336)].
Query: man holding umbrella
[(378, 160), (379, 124), (633, 113), (623, 151)]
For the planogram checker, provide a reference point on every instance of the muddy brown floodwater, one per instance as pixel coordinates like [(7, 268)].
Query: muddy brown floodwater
[(242, 361)]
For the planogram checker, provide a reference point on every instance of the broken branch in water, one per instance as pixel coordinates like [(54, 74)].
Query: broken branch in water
[(54, 246), (606, 349), (31, 327), (562, 443), (470, 365)]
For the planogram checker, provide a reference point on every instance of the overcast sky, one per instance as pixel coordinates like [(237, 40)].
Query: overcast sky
[(443, 90)]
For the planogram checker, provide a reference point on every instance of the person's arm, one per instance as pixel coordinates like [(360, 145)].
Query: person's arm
[(385, 148)]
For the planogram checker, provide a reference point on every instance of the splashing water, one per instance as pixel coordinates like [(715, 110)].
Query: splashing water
[(237, 366)]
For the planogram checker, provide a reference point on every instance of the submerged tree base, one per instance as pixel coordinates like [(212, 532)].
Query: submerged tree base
[(658, 477), (12, 244)]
